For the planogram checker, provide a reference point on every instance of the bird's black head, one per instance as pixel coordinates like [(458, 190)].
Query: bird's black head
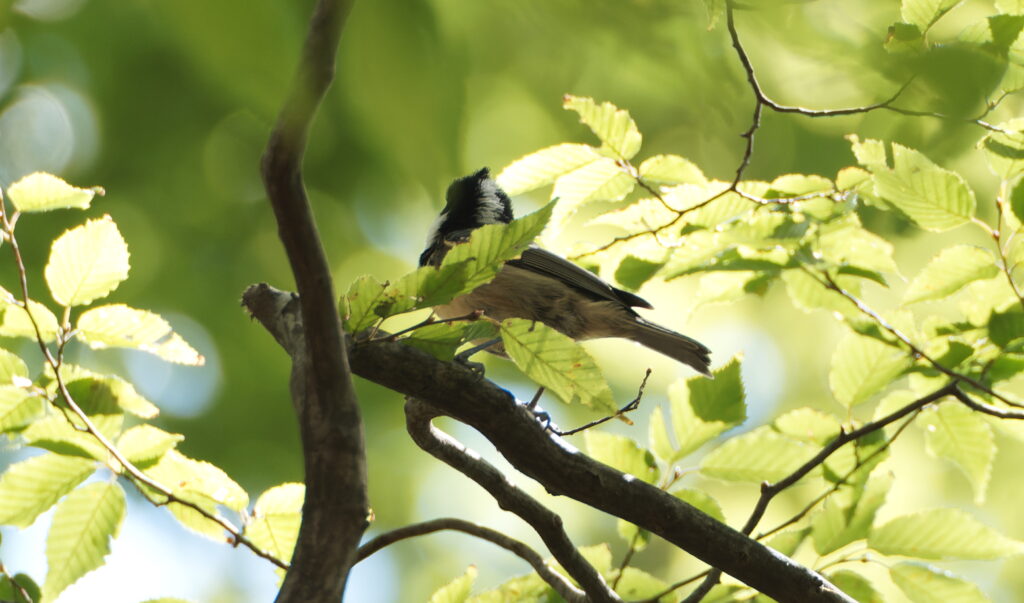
[(471, 202)]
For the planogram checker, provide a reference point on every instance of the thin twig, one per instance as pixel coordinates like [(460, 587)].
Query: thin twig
[(629, 407), (138, 477)]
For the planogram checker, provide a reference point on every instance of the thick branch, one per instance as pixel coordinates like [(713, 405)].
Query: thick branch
[(336, 506), (547, 524), (563, 470)]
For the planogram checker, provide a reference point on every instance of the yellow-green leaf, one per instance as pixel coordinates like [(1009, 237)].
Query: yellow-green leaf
[(935, 198), (456, 591), (942, 534), (704, 408), (556, 362), (926, 584), (145, 443), (862, 366), (30, 487), (83, 526), (118, 325), (16, 322), (958, 434), (621, 453), (18, 407), (759, 455), (544, 167), (276, 518), (87, 263), (949, 271), (613, 126), (671, 169), (40, 191)]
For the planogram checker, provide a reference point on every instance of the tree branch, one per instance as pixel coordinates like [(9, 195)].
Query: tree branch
[(336, 506), (563, 470)]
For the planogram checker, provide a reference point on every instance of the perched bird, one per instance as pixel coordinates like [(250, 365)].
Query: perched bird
[(543, 286)]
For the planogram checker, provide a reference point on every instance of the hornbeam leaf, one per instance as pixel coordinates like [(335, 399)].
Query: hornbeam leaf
[(87, 263), (613, 126), (942, 534), (40, 191), (949, 271)]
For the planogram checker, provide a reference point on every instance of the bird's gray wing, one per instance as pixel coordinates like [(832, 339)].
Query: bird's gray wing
[(544, 262)]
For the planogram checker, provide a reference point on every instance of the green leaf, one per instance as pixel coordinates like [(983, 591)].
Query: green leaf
[(442, 339), (40, 191), (87, 263), (13, 587), (759, 455), (958, 434), (793, 185), (808, 424), (637, 585), (634, 272), (869, 153), (556, 362), (196, 521), (934, 198), (856, 586), (847, 515), (702, 501), (30, 487), (83, 526), (15, 321), (544, 167), (942, 534), (143, 444), (808, 294), (788, 541), (123, 392), (632, 535), (926, 584), (923, 13), (849, 244), (1004, 327), (949, 271), (1005, 152), (612, 126), (276, 518), (704, 408), (56, 434), (657, 436), (121, 326), (456, 591), (621, 453), (671, 169), (18, 408), (861, 367), (12, 368), (197, 481), (600, 180)]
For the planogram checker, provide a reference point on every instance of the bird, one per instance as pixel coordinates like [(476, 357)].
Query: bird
[(542, 286)]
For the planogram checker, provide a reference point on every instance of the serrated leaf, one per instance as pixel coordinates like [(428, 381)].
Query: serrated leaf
[(961, 436), (869, 153), (556, 362), (127, 398), (56, 434), (121, 326), (759, 455), (808, 294), (934, 198), (87, 262), (634, 272), (197, 481), (143, 444), (657, 436), (456, 591), (600, 180), (83, 525), (613, 126), (942, 534), (704, 408), (671, 169), (1005, 151), (852, 245), (702, 501), (848, 515), (808, 424), (276, 519), (544, 167), (30, 487), (196, 521), (15, 321), (40, 191), (621, 453), (637, 585), (856, 586), (18, 408), (950, 271), (923, 13), (926, 584), (12, 367), (862, 366)]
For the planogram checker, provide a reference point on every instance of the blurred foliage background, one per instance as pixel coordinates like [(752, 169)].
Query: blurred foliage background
[(168, 104)]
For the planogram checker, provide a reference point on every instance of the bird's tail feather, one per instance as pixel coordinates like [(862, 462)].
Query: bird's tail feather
[(685, 349)]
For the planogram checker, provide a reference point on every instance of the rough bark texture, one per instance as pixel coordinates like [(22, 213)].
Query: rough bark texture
[(563, 470)]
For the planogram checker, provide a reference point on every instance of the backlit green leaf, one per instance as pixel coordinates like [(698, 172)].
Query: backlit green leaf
[(40, 191), (12, 367), (87, 263), (861, 367), (935, 198), (612, 126), (621, 453), (958, 434), (1005, 151), (942, 534), (143, 444), (197, 481), (704, 408), (15, 321), (926, 584), (18, 407), (924, 12), (671, 169), (856, 586), (83, 526), (759, 455), (456, 591), (544, 167), (121, 326), (30, 487), (556, 362), (276, 518), (949, 271)]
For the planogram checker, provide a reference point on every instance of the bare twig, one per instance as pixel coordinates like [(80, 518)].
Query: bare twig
[(559, 582), (629, 407)]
